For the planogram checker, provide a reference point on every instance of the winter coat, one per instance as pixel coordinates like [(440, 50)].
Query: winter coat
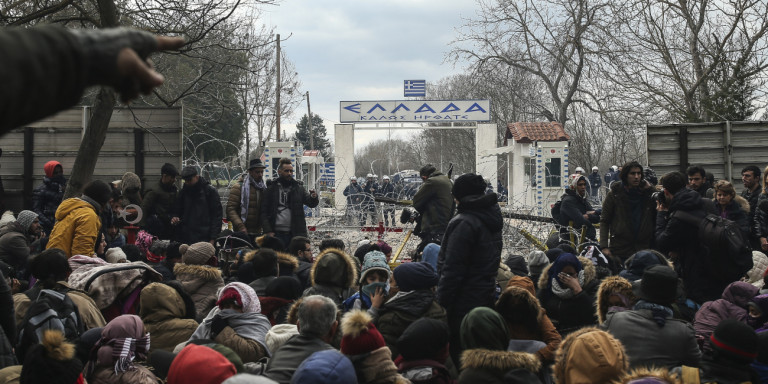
[(402, 310), (202, 283), (617, 224), (165, 317), (46, 199), (609, 285), (524, 294), (376, 367), (253, 219), (333, 275), (353, 192), (760, 220), (7, 326), (298, 197), (732, 305), (675, 235), (199, 208), (487, 366), (753, 199), (14, 246), (595, 181), (77, 228), (157, 207), (435, 203), (470, 255), (414, 370), (589, 355), (86, 307), (572, 209), (647, 344), (286, 359), (738, 212), (759, 266), (578, 311), (370, 189)]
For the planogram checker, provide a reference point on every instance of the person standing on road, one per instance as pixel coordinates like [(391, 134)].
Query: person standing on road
[(282, 209), (435, 204), (198, 209), (244, 203)]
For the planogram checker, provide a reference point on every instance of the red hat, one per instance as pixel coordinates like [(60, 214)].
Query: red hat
[(199, 364), (359, 335)]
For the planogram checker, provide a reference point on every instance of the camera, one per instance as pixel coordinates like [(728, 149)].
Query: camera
[(409, 215), (659, 196)]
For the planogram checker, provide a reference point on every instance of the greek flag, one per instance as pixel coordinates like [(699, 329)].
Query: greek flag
[(415, 88)]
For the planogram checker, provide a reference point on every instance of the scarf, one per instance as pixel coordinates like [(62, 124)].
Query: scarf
[(245, 194), (249, 325), (660, 312), (566, 293), (152, 258), (126, 349)]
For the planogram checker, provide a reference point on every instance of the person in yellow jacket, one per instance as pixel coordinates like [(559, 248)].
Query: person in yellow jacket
[(77, 220)]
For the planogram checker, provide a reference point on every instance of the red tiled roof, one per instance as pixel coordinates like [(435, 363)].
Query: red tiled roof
[(525, 132)]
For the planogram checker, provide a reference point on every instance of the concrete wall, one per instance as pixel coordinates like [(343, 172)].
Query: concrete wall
[(344, 135)]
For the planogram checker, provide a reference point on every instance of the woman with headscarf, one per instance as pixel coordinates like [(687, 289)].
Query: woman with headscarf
[(567, 293), (484, 337), (236, 322), (112, 360)]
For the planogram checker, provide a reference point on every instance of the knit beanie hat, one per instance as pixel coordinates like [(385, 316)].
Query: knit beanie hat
[(52, 362), (484, 328), (243, 294), (423, 339), (130, 183), (115, 255), (197, 253), (359, 335), (26, 218), (279, 334), (517, 265), (468, 184), (415, 275), (327, 366), (374, 260), (537, 260), (199, 364), (735, 340)]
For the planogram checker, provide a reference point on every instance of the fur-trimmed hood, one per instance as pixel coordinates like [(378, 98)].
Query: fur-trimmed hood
[(589, 273), (502, 361), (202, 272), (518, 304), (610, 285), (285, 260), (589, 355), (743, 203), (334, 267), (659, 374)]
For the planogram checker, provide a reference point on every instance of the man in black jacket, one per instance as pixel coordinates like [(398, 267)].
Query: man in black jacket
[(198, 209), (750, 177), (678, 239), (435, 204), (576, 209), (282, 209), (470, 254), (159, 202)]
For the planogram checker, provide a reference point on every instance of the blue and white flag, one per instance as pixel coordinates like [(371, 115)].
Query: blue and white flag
[(415, 88)]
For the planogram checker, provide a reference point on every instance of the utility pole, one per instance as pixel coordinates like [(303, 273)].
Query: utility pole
[(309, 126), (277, 88)]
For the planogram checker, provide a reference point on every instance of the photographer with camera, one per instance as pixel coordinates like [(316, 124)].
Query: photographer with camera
[(629, 214)]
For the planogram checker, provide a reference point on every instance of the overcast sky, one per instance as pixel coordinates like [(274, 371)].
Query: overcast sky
[(363, 49)]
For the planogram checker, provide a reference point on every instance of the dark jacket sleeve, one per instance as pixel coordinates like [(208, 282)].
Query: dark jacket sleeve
[(454, 255), (570, 212), (215, 212), (761, 217), (7, 316), (268, 208), (43, 72), (666, 232), (308, 200)]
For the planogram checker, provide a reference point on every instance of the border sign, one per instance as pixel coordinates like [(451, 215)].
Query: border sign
[(415, 111)]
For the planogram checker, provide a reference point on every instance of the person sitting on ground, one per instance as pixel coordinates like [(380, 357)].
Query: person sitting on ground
[(237, 323), (424, 352), (566, 292), (374, 284), (15, 241), (124, 342), (365, 347), (333, 275), (614, 295), (281, 293), (732, 305), (265, 268), (589, 355), (168, 314), (199, 279)]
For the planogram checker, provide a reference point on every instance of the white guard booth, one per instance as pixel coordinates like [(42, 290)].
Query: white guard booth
[(538, 165), (276, 150)]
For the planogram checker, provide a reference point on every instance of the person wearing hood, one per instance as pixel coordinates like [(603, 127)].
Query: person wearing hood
[(15, 241), (159, 202), (48, 195), (679, 239), (639, 262), (113, 360), (197, 210), (279, 296), (567, 292), (732, 305), (414, 300), (168, 314), (244, 202), (649, 333), (199, 278), (77, 220), (333, 275), (757, 316), (322, 367), (732, 207), (628, 214), (576, 209), (590, 355), (614, 295), (236, 322), (423, 350), (528, 323), (374, 284), (470, 254), (486, 359)]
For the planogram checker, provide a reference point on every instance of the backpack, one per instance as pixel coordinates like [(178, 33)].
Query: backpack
[(50, 309), (727, 251)]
